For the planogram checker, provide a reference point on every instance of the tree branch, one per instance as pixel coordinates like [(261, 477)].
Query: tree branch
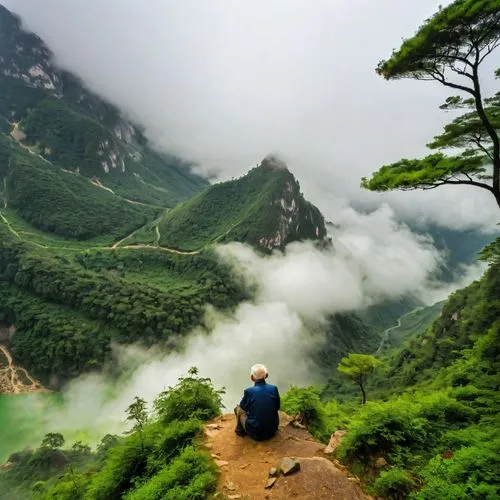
[(437, 75), (442, 182), (477, 142)]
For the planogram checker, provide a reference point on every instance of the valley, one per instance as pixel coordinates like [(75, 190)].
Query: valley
[(134, 292)]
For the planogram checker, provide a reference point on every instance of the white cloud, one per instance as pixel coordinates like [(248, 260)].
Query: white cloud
[(374, 258), (225, 83)]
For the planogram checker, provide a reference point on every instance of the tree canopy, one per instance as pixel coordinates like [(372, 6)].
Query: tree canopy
[(357, 367), (449, 48)]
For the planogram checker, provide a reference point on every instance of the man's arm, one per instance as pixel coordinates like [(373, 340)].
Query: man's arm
[(278, 401), (244, 401)]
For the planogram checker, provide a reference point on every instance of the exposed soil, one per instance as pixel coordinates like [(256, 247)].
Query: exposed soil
[(14, 379), (244, 465)]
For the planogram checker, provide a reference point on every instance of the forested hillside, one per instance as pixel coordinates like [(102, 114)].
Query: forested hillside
[(54, 117), (264, 208)]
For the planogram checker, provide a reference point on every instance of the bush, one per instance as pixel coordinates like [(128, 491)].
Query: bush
[(470, 473), (305, 403), (392, 430), (403, 428), (394, 484), (192, 397), (125, 462), (191, 476), (177, 436)]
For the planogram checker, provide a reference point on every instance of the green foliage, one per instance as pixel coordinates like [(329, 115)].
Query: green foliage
[(74, 129), (403, 428), (68, 310), (124, 463), (420, 173), (159, 459), (192, 397), (471, 472), (53, 440), (249, 209), (445, 38), (305, 403), (358, 367), (394, 484), (66, 204), (137, 413), (191, 476), (449, 48)]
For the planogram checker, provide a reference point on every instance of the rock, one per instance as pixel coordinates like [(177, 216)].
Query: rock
[(380, 462), (244, 466), (213, 427), (221, 463), (233, 497), (273, 472), (298, 425), (270, 482), (335, 441), (288, 466), (215, 455), (230, 485)]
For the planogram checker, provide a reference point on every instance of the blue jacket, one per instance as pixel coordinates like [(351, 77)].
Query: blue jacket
[(261, 402)]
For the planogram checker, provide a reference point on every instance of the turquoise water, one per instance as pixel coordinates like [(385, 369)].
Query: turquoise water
[(24, 420)]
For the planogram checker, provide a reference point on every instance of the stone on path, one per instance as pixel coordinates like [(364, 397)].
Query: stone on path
[(270, 482), (288, 466)]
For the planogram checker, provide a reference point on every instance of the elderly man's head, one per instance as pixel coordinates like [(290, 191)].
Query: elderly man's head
[(258, 372)]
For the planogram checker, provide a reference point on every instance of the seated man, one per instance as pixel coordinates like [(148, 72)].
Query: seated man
[(257, 413)]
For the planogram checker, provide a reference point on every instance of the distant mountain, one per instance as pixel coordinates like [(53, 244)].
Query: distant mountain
[(65, 129), (264, 208)]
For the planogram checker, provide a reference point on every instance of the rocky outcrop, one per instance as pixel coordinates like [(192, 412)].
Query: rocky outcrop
[(256, 470)]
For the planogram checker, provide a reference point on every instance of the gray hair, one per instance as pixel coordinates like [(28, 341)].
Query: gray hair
[(258, 372)]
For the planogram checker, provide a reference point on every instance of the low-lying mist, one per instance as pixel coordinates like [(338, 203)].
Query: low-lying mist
[(373, 258)]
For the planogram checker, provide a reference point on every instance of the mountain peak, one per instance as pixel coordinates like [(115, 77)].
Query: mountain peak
[(273, 162), (264, 208)]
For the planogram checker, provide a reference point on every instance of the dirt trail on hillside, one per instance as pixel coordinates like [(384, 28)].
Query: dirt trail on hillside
[(13, 379), (244, 465)]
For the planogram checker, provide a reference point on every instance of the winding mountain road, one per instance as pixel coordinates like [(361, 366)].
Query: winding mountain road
[(115, 246), (385, 334)]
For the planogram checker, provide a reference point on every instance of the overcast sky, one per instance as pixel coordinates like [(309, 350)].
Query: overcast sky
[(224, 82)]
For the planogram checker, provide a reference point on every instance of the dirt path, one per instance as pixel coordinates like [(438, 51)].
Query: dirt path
[(13, 379), (18, 135), (164, 249), (244, 465), (113, 247)]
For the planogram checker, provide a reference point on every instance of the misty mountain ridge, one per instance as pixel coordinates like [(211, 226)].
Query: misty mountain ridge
[(51, 112)]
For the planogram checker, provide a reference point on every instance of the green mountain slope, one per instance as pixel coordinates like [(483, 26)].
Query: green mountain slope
[(50, 112), (63, 203), (264, 208)]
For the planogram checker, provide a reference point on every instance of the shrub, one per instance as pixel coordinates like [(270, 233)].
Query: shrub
[(394, 484), (177, 436), (392, 429), (191, 476), (125, 463), (472, 473), (192, 397), (305, 403)]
